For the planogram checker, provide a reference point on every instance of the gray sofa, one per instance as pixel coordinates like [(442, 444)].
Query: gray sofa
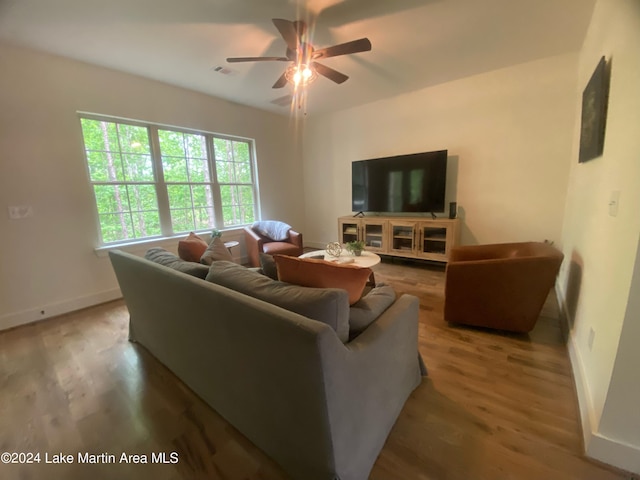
[(319, 407)]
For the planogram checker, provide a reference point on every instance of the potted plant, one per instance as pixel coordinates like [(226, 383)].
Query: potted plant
[(356, 247), (216, 235)]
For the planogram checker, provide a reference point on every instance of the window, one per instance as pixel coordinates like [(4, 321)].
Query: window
[(150, 181), (187, 176), (233, 164)]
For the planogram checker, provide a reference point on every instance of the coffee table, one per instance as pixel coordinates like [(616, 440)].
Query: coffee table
[(364, 260)]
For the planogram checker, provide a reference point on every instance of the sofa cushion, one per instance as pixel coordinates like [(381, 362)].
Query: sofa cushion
[(191, 248), (364, 312), (309, 272), (215, 251), (168, 259), (330, 306)]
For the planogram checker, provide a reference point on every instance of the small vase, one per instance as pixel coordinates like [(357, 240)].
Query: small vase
[(357, 253)]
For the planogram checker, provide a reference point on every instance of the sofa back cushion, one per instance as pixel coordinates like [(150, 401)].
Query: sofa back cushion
[(168, 259), (330, 306), (309, 272), (369, 308), (268, 266)]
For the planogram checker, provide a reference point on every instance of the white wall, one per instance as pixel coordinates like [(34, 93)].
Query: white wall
[(508, 133), (618, 438), (48, 261), (596, 284)]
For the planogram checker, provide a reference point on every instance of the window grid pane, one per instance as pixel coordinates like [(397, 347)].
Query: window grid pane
[(238, 207), (127, 211)]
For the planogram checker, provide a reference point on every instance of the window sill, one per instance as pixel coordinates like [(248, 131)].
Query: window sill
[(141, 246)]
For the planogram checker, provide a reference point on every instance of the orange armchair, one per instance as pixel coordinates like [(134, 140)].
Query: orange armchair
[(257, 243), (500, 286)]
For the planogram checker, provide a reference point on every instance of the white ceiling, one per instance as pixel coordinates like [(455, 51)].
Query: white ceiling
[(416, 43)]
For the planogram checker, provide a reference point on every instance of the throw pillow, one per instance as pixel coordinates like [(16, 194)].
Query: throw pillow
[(191, 248), (369, 308), (268, 266), (272, 229), (330, 306), (168, 259), (308, 272), (215, 251)]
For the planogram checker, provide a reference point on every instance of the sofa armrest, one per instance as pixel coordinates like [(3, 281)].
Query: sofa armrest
[(368, 382)]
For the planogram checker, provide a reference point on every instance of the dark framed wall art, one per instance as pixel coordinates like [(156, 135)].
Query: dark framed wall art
[(594, 113)]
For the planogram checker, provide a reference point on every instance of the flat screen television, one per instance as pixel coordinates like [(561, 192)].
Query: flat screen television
[(405, 183)]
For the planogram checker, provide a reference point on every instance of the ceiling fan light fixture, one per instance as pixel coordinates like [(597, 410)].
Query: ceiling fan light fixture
[(300, 75)]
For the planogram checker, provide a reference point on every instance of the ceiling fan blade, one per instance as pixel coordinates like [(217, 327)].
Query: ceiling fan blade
[(355, 46), (257, 59), (301, 28), (281, 82), (330, 73), (288, 31)]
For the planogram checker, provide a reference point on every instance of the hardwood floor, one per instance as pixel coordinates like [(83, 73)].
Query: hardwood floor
[(495, 406)]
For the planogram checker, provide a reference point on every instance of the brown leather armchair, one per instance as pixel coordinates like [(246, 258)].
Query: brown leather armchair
[(500, 286), (257, 243)]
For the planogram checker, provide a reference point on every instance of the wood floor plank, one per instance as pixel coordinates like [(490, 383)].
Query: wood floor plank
[(495, 405)]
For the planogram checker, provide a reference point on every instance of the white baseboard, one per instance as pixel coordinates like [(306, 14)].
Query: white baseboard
[(585, 406), (587, 415), (613, 452), (596, 445), (54, 309)]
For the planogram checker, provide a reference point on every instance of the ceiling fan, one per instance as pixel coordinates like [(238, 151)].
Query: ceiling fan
[(304, 57)]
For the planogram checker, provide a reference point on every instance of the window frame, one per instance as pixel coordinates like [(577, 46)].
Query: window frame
[(162, 195)]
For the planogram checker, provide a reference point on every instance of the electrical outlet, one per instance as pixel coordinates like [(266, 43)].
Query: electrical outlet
[(20, 211), (592, 337)]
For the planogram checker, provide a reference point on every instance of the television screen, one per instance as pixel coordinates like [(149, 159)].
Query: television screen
[(404, 183)]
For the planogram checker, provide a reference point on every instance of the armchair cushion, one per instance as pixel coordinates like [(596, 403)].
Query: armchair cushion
[(283, 248)]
